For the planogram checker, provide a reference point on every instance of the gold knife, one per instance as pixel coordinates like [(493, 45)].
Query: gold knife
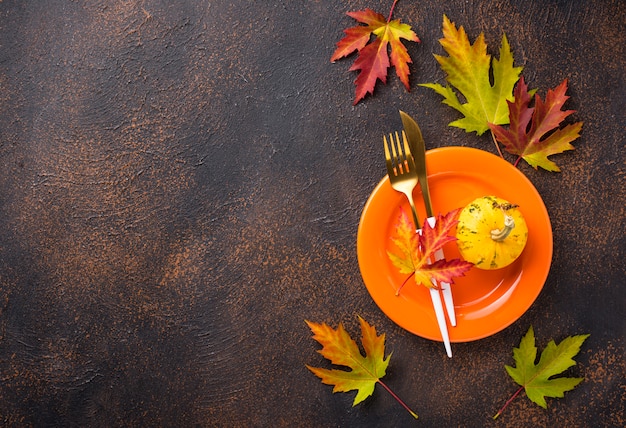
[(418, 149)]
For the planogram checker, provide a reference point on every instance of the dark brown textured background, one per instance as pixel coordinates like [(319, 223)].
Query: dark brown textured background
[(180, 188)]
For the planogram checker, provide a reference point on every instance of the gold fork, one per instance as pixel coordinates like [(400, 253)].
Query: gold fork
[(401, 169)]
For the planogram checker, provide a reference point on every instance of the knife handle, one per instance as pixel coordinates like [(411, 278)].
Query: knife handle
[(438, 305), (444, 286)]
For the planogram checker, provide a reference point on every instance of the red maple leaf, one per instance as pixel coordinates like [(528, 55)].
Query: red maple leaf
[(373, 58), (417, 250), (534, 132)]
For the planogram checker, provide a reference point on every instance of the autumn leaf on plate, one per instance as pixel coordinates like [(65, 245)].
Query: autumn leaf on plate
[(417, 250), (537, 379), (342, 350), (469, 68), (534, 132), (373, 58)]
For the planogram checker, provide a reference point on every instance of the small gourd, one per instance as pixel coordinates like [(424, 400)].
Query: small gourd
[(491, 232)]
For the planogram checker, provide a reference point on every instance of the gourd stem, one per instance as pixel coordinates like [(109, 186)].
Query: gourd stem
[(501, 234)]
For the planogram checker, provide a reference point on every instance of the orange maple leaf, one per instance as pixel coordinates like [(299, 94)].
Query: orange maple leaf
[(373, 58), (342, 350), (417, 250)]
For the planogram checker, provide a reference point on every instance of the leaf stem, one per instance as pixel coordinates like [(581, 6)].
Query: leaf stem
[(495, 141), (393, 6), (404, 283), (521, 388), (398, 399)]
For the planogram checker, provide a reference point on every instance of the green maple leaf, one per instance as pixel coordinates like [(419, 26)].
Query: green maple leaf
[(536, 379), (366, 371), (467, 69)]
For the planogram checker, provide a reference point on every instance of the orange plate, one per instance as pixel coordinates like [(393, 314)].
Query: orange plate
[(485, 301)]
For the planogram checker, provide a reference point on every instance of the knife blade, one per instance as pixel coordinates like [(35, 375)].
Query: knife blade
[(418, 150)]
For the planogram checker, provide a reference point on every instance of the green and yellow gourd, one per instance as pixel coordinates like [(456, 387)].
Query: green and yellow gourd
[(491, 232)]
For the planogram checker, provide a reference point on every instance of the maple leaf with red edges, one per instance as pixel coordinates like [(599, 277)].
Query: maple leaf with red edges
[(342, 350), (373, 58), (417, 250), (534, 132), (478, 85)]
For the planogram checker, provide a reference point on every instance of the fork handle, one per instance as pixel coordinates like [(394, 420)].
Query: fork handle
[(444, 286), (416, 221), (447, 294), (441, 320)]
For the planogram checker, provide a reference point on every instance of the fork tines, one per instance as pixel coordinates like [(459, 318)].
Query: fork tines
[(399, 159)]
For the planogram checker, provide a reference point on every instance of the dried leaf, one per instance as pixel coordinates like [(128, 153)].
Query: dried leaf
[(534, 132), (373, 58)]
